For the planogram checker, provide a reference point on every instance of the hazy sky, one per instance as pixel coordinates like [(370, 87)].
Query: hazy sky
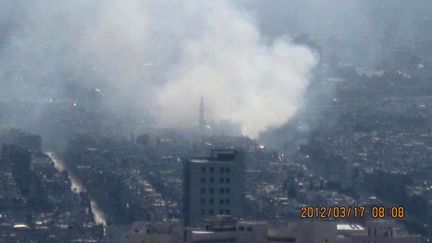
[(159, 57)]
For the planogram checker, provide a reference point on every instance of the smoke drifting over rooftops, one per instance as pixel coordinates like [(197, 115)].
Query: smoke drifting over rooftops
[(155, 57)]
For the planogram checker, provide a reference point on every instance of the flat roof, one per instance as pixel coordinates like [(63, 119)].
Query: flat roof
[(349, 227), (199, 160), (202, 232)]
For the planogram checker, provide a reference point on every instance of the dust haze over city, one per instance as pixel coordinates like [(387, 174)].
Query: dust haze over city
[(215, 121)]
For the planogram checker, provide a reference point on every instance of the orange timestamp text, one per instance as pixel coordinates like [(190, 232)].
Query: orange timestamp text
[(351, 212)]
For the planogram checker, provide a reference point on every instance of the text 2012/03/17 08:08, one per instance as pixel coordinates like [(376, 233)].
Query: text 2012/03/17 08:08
[(351, 212)]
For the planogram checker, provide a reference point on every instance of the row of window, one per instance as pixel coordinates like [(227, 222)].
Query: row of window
[(212, 212), (282, 239), (211, 201), (212, 191), (212, 169), (223, 240), (212, 180), (242, 228)]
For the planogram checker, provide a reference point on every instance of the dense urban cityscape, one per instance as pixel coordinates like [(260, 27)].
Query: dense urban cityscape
[(351, 164)]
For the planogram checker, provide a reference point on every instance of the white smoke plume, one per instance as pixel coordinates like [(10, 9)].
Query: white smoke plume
[(158, 57), (243, 79)]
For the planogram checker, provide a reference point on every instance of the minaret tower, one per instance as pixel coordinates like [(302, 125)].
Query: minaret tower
[(201, 120)]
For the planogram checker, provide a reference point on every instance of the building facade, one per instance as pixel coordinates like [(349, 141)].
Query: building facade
[(222, 229), (213, 186)]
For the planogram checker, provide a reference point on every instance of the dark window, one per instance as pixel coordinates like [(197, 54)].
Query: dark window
[(202, 201), (227, 170), (241, 228), (185, 234), (227, 201), (221, 201), (212, 180), (227, 190), (211, 212), (221, 170), (211, 190), (202, 190), (282, 239), (203, 169), (221, 180), (221, 211), (249, 228), (203, 180), (212, 169), (211, 201), (227, 180), (221, 190)]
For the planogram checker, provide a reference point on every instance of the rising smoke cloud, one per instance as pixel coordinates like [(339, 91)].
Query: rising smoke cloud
[(155, 57)]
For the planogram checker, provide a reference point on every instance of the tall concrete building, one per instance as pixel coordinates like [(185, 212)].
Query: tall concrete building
[(213, 186)]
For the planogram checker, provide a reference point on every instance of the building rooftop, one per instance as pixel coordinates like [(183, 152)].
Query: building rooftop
[(199, 160), (349, 227), (223, 154)]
